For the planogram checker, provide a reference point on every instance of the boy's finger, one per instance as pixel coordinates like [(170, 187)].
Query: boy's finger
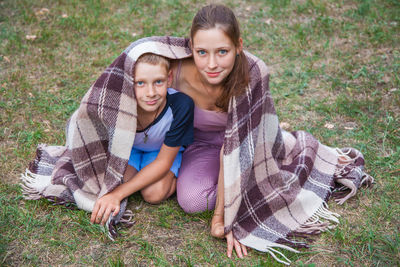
[(106, 215), (99, 215), (116, 211), (94, 213)]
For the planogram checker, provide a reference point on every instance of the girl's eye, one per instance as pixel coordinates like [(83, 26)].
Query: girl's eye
[(139, 83), (201, 52), (223, 52)]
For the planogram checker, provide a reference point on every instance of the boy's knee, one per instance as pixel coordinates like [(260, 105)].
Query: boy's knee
[(154, 195), (153, 198), (159, 192)]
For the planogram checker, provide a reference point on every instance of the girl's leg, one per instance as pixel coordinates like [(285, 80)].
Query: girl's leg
[(217, 221), (198, 178)]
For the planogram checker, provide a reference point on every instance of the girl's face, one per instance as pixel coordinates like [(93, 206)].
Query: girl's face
[(214, 54)]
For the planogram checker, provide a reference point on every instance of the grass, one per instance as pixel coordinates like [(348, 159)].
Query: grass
[(334, 62)]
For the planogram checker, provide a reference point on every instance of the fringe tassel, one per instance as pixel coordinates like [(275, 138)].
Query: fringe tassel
[(272, 252), (111, 226), (33, 184), (126, 219), (368, 180), (350, 174), (343, 161), (315, 225)]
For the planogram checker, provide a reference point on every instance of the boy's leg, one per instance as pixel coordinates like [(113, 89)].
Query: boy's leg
[(134, 163), (129, 173), (160, 190), (166, 186)]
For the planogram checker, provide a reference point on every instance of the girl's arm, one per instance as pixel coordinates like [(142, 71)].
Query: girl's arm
[(150, 174), (217, 222)]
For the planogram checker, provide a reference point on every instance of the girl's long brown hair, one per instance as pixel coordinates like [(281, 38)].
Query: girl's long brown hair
[(220, 16)]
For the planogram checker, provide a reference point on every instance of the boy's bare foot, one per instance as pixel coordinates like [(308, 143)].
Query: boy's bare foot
[(217, 226)]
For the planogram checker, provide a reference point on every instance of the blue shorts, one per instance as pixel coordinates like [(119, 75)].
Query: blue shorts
[(139, 159)]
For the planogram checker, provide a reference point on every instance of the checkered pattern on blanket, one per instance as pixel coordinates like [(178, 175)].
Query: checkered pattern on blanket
[(276, 182)]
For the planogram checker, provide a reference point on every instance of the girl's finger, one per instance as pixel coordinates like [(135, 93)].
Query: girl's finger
[(238, 248), (229, 241), (244, 249)]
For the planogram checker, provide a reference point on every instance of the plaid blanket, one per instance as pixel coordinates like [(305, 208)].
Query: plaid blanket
[(276, 183)]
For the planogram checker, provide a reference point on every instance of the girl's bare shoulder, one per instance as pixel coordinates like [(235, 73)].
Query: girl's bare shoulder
[(183, 72)]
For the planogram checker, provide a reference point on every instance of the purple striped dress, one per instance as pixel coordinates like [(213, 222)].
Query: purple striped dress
[(198, 176)]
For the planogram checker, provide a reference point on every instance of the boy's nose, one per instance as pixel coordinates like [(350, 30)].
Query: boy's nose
[(151, 90)]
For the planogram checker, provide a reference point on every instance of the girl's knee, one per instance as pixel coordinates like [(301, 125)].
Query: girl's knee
[(192, 202)]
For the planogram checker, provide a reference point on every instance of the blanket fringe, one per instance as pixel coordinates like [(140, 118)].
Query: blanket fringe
[(368, 180), (347, 173), (111, 226), (272, 252), (33, 184), (322, 220), (343, 161), (315, 225)]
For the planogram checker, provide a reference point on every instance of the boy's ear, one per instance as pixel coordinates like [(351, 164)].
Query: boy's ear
[(170, 76), (190, 44)]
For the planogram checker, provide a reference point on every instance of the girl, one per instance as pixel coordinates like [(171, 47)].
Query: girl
[(264, 183), (217, 71)]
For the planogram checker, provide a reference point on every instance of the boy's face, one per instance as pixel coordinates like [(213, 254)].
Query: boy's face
[(151, 83)]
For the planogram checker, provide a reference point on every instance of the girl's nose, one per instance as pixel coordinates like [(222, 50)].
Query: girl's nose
[(212, 63)]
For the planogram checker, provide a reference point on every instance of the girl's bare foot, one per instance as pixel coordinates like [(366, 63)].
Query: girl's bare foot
[(217, 226)]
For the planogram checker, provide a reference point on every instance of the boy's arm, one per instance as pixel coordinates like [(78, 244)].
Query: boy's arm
[(148, 175)]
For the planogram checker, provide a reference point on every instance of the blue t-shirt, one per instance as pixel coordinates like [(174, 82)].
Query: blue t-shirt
[(173, 127)]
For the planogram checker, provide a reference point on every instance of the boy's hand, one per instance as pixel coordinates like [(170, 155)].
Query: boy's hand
[(104, 207)]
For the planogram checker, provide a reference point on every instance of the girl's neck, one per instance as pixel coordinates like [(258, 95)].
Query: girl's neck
[(211, 89)]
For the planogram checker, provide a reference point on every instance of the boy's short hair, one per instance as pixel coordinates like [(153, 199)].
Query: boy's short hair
[(154, 59)]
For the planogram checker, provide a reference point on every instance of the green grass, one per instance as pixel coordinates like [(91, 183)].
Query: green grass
[(332, 62)]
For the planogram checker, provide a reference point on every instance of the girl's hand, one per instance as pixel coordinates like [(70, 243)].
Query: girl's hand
[(104, 207), (231, 241)]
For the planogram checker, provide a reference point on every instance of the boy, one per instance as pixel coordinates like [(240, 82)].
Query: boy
[(164, 125)]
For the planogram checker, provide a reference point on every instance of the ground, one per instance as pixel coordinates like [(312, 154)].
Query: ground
[(334, 72)]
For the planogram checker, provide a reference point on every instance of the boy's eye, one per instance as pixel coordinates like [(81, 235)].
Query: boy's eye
[(139, 83), (223, 52), (201, 52), (159, 82)]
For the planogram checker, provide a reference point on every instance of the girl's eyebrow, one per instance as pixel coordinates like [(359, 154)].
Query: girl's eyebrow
[(221, 47)]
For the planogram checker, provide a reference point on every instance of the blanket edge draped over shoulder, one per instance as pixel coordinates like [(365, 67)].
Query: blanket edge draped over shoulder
[(99, 137), (276, 183)]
